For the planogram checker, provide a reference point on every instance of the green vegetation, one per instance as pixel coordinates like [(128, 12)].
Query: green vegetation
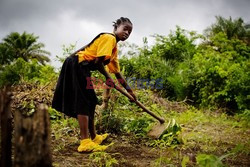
[(32, 71), (23, 59), (102, 159), (214, 73)]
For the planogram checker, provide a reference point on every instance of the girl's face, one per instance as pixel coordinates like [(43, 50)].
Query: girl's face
[(123, 31)]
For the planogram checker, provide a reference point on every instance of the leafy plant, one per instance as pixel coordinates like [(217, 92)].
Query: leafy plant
[(169, 137), (139, 126), (103, 159), (184, 161), (54, 114), (110, 122), (173, 130), (205, 160), (21, 70), (162, 161)]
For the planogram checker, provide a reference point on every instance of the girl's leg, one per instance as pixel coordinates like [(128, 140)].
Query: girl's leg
[(83, 121), (92, 123)]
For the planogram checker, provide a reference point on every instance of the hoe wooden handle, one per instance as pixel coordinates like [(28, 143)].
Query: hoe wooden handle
[(161, 120)]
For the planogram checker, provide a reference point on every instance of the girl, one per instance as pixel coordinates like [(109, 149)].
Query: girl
[(74, 97)]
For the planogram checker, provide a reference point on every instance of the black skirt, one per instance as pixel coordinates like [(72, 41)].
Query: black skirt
[(72, 95)]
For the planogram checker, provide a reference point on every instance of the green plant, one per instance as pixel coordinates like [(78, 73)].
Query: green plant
[(205, 160), (184, 161), (170, 137), (162, 161), (110, 122), (54, 114), (27, 108), (171, 134), (244, 116), (139, 126), (103, 159), (32, 71)]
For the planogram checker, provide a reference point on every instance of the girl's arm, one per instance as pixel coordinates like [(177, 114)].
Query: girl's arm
[(109, 81), (123, 82), (100, 67)]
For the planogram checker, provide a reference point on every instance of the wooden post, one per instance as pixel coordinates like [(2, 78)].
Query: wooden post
[(6, 127), (32, 139)]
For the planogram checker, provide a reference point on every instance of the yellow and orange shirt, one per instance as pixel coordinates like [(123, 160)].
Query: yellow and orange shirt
[(105, 45)]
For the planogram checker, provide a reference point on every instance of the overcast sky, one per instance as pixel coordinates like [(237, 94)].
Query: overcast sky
[(59, 22)]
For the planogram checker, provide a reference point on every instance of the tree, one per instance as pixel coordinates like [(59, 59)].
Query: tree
[(232, 28), (5, 56), (24, 46), (178, 46)]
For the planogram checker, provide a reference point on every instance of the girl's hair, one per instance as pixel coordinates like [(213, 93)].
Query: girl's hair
[(120, 21)]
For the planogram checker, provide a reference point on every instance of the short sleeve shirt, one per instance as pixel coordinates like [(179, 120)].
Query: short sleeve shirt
[(105, 45)]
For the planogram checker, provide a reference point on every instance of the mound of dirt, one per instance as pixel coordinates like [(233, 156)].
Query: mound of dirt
[(26, 96)]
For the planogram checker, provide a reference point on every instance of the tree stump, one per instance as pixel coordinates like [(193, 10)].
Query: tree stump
[(32, 139), (6, 127)]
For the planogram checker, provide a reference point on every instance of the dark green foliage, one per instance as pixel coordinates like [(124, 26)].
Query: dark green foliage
[(232, 28), (22, 58), (5, 55), (211, 72), (163, 60), (177, 47), (24, 46), (21, 70), (139, 126), (221, 74)]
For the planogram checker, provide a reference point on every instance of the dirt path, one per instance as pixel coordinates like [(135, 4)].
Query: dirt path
[(131, 152), (126, 153)]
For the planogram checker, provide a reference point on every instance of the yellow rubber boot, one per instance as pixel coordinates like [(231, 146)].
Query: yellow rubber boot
[(100, 138), (101, 147), (87, 145)]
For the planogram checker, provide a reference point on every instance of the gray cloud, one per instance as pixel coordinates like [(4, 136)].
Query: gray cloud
[(63, 22)]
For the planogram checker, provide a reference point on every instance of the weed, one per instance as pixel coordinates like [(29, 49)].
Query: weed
[(54, 114), (184, 161), (102, 159), (162, 161), (110, 122), (244, 118), (170, 137), (205, 160), (139, 126)]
